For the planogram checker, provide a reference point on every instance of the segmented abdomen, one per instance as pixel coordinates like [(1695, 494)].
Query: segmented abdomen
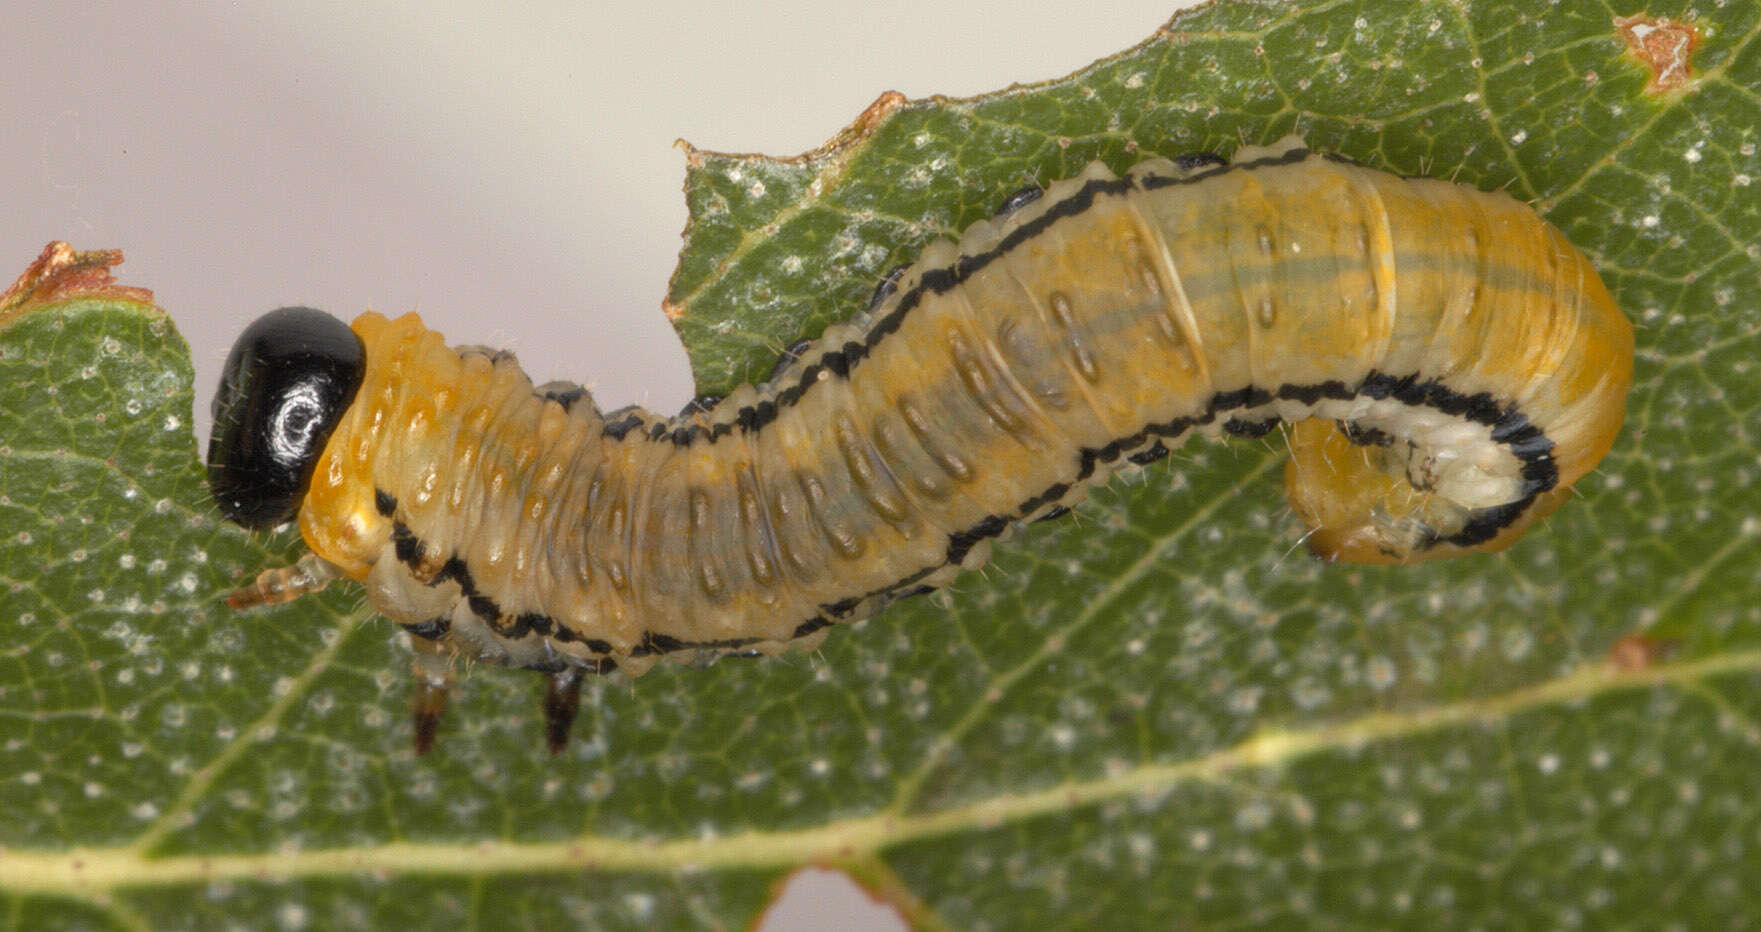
[(1461, 362)]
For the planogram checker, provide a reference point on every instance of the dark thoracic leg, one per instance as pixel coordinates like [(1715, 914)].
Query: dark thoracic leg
[(433, 669), (562, 697)]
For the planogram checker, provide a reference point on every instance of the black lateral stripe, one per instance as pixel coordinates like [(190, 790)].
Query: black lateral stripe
[(564, 635), (1487, 522), (384, 502), (1312, 394), (1053, 514), (526, 623), (653, 643), (1052, 493), (485, 608), (1192, 161), (1246, 397), (1364, 436), (616, 427), (809, 626), (567, 397), (1021, 198), (1525, 442), (1250, 429), (702, 404), (405, 545), (455, 570), (1155, 451), (801, 346), (843, 359), (960, 543), (846, 606), (883, 290), (433, 629)]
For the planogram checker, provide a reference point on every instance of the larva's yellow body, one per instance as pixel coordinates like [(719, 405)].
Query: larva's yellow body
[(1455, 362)]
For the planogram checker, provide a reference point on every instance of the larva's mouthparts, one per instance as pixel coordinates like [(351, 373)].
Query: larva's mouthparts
[(1449, 363)]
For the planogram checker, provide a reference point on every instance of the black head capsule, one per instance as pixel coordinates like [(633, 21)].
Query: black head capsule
[(286, 384)]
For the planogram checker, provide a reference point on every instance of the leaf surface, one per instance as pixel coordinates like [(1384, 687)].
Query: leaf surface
[(1158, 713)]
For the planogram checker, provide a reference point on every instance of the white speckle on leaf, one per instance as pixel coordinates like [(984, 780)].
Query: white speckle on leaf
[(1309, 693), (1516, 642), (291, 916), (1380, 673), (640, 905)]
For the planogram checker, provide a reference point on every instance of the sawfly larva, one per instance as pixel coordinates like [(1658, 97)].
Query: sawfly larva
[(1448, 362)]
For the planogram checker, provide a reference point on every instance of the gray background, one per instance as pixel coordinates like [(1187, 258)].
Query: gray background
[(500, 168)]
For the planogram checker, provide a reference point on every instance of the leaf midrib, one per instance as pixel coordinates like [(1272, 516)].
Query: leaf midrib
[(92, 873)]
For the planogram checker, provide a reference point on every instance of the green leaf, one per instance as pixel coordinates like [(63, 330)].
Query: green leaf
[(1155, 715)]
